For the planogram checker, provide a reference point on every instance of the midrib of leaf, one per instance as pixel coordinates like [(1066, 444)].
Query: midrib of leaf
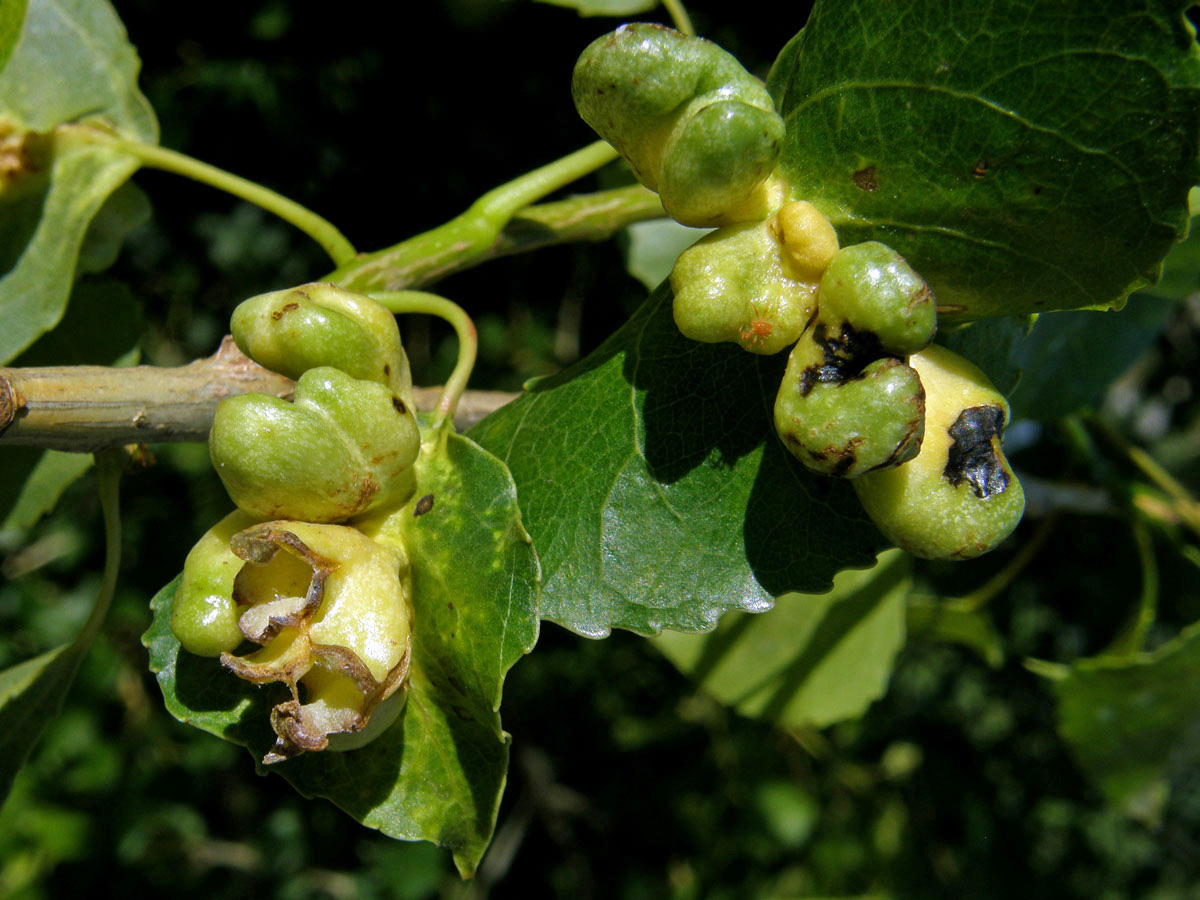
[(1104, 94), (133, 110), (449, 776), (106, 60), (991, 106)]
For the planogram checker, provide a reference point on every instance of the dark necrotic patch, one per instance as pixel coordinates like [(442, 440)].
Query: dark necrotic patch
[(973, 457), (846, 352)]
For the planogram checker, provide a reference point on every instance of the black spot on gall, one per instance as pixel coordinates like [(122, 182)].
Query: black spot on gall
[(973, 457)]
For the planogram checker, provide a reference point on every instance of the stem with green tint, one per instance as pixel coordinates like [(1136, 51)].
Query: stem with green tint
[(473, 233), (108, 475), (583, 217), (420, 302), (340, 250), (1132, 636), (679, 16), (983, 594), (1183, 503)]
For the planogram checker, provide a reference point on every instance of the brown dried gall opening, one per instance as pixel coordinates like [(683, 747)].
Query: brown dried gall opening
[(974, 455), (398, 405), (307, 727), (924, 294), (282, 588)]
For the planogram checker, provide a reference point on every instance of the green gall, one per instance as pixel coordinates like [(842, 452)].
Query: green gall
[(735, 285), (332, 612), (958, 498), (340, 448), (204, 617), (872, 287), (692, 122), (847, 424), (317, 325), (719, 156)]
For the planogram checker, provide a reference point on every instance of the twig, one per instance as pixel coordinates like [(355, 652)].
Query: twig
[(84, 409)]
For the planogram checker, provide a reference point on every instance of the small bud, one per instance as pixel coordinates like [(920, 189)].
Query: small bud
[(342, 447), (25, 160), (808, 238), (332, 611)]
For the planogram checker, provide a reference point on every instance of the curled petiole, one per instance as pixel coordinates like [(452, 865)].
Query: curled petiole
[(422, 302), (679, 17)]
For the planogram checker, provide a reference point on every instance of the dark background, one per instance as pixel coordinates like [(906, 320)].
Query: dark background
[(626, 781)]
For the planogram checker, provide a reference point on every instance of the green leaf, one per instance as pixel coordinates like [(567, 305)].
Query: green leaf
[(53, 474), (12, 14), (656, 490), (102, 326), (944, 620), (1024, 358), (1132, 721), (437, 774), (1095, 347), (17, 463), (605, 7), (1181, 269), (84, 44), (813, 659), (31, 694), (1023, 156), (654, 246), (125, 210)]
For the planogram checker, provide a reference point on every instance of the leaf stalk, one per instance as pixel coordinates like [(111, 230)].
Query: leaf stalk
[(340, 250), (421, 302), (472, 236)]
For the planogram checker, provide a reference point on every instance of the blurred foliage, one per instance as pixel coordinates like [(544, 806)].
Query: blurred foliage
[(628, 781)]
